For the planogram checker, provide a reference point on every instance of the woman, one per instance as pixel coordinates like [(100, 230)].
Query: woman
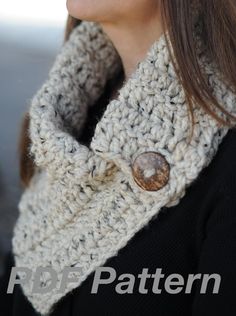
[(128, 158)]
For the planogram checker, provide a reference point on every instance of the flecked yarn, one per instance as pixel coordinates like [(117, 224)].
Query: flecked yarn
[(83, 205)]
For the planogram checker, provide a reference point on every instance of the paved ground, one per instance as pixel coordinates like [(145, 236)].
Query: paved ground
[(23, 68)]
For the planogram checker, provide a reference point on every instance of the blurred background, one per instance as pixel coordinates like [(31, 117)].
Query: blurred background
[(31, 34)]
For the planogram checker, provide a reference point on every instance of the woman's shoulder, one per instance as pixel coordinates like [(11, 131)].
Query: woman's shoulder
[(218, 183), (223, 165)]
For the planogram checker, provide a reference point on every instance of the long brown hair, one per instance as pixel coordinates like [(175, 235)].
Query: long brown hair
[(219, 22)]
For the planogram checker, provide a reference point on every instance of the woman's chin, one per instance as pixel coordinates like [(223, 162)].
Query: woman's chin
[(82, 10)]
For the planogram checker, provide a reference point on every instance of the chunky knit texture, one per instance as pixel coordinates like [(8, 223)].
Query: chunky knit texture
[(83, 204)]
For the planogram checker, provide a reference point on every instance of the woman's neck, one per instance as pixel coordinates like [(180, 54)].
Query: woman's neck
[(132, 40)]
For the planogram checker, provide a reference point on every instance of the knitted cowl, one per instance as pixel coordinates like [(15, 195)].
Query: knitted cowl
[(83, 204)]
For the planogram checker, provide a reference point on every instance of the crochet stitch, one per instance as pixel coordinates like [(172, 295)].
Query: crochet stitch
[(83, 205)]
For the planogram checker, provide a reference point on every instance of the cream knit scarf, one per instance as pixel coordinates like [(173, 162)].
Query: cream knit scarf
[(83, 204)]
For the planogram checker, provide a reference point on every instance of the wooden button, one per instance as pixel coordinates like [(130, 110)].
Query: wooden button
[(150, 171)]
